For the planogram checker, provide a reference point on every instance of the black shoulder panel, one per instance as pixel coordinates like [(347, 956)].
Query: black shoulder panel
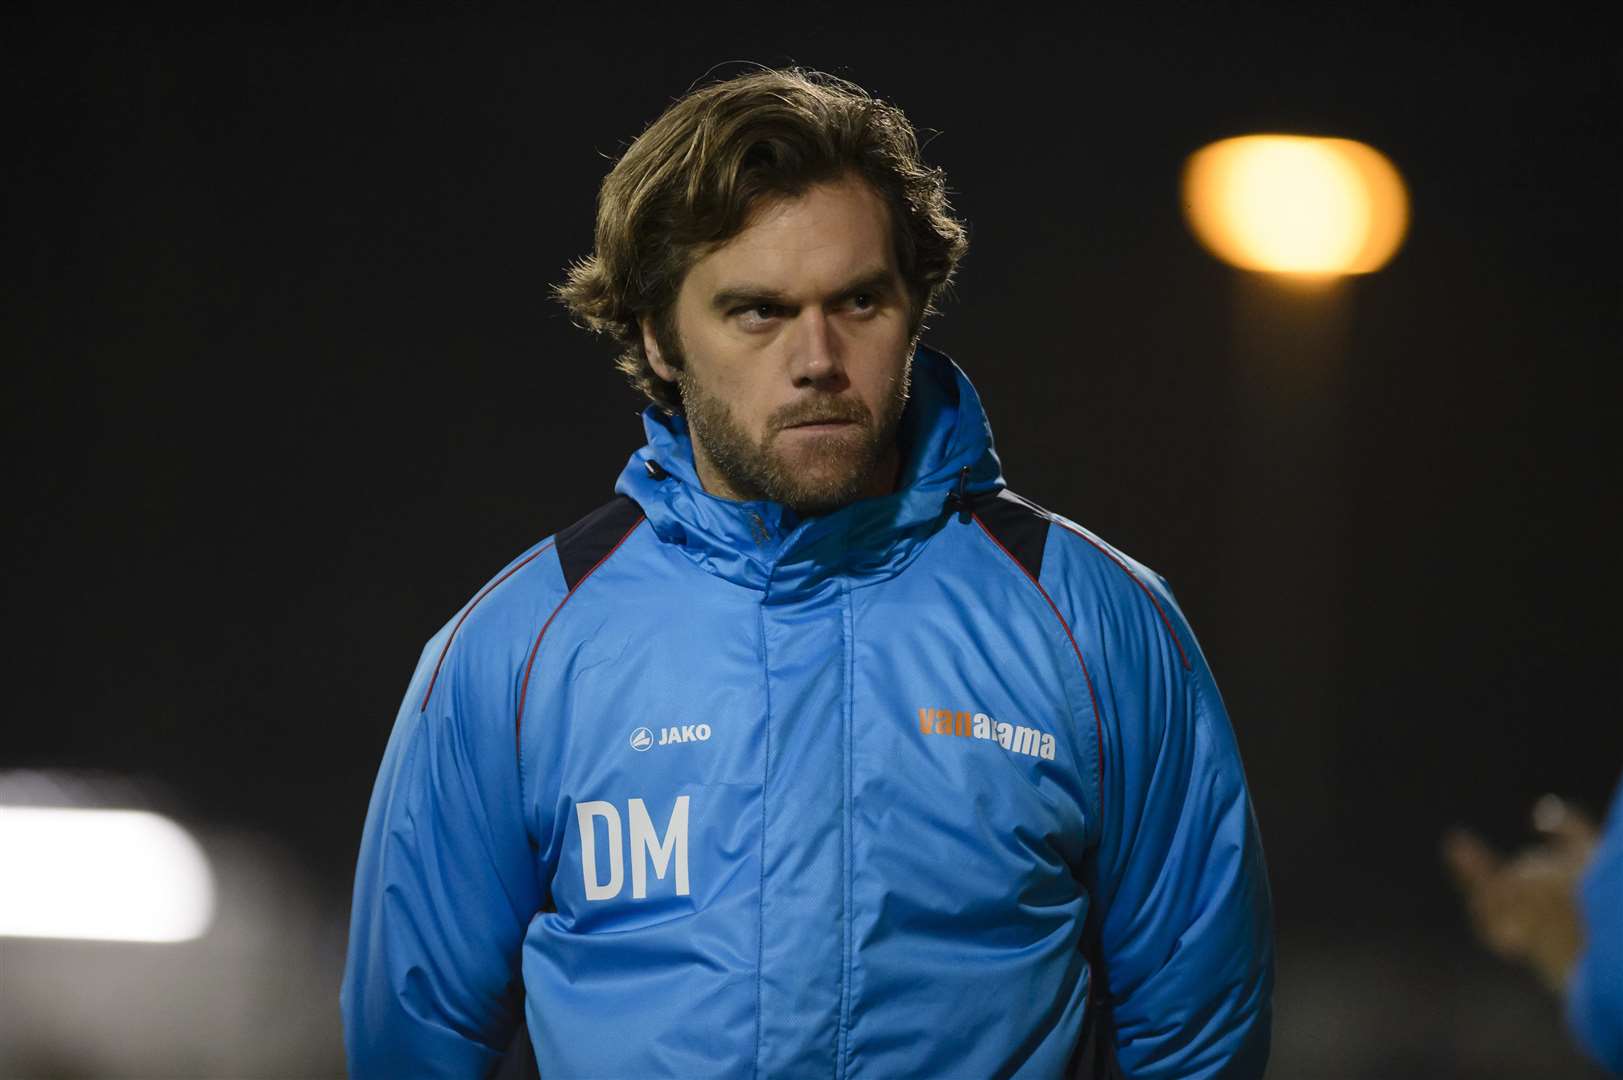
[(1019, 525), (583, 545)]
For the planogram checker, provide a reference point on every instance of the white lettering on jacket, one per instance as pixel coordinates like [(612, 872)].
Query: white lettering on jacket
[(1015, 738), (685, 733), (647, 846)]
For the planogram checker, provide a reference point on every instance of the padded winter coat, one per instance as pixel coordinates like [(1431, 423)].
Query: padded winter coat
[(936, 785)]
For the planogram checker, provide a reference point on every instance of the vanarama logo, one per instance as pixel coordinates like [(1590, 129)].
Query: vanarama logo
[(1015, 738)]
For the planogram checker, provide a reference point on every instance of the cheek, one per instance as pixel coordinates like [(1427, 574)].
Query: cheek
[(745, 399), (878, 378), (752, 414)]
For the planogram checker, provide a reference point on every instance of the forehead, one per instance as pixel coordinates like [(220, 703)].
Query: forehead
[(804, 243)]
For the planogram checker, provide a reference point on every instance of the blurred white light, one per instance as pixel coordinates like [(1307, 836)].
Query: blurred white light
[(1296, 205), (109, 875)]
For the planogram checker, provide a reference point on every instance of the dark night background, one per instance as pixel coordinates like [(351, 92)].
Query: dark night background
[(286, 387)]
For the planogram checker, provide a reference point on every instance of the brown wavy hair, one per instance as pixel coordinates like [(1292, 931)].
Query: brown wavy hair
[(688, 184)]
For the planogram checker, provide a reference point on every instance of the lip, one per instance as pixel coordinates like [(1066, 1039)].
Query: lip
[(820, 427)]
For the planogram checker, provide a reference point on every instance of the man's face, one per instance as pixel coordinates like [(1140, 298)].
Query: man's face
[(794, 353)]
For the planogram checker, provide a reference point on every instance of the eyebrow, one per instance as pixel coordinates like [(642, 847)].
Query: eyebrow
[(745, 294)]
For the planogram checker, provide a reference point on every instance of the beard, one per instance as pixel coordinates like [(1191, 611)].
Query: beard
[(816, 475)]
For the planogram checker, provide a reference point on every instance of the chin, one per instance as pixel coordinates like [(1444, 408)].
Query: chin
[(823, 498)]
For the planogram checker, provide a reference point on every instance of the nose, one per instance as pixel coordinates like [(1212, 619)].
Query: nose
[(815, 356)]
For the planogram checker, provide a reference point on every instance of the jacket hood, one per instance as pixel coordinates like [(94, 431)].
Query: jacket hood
[(766, 545)]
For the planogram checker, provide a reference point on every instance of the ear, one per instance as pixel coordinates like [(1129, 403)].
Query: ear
[(650, 347)]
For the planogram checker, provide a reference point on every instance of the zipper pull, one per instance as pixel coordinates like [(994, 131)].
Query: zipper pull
[(960, 497), (758, 527)]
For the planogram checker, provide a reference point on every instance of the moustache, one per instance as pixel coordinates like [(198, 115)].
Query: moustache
[(821, 412)]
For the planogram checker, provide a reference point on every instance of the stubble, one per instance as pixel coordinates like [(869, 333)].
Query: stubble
[(821, 473)]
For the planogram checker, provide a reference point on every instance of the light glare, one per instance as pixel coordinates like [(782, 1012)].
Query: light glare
[(1296, 205), (110, 875)]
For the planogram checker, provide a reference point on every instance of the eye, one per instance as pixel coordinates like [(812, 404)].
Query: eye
[(754, 314)]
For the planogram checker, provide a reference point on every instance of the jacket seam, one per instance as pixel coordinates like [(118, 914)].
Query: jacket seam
[(1136, 580), (1093, 696), (848, 829), (486, 591), (766, 776), (524, 688)]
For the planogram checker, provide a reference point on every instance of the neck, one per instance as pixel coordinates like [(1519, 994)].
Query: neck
[(711, 478)]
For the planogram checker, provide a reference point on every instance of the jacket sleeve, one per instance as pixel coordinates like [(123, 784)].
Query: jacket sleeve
[(445, 883), (1183, 923), (1595, 995)]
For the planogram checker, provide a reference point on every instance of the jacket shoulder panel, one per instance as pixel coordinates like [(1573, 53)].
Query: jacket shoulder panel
[(1038, 539), (491, 638), (581, 548), (528, 583), (586, 543), (1132, 634), (1118, 580), (1020, 529), (518, 600), (1118, 615), (1019, 526)]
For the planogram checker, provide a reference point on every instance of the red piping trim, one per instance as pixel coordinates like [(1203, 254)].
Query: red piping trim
[(524, 690), (1098, 725), (1159, 610), (469, 611)]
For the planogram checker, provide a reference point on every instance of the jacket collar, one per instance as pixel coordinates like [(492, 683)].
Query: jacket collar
[(767, 546)]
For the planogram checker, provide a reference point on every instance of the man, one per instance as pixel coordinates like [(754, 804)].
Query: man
[(815, 752), (1557, 906), (1595, 999)]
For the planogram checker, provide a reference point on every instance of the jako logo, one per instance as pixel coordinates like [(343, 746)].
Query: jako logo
[(644, 850), (1013, 738), (642, 739), (685, 733)]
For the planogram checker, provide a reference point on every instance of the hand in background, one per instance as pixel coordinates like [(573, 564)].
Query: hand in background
[(1525, 907)]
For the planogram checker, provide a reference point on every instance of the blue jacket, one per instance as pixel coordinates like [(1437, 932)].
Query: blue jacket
[(935, 785), (1595, 996)]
